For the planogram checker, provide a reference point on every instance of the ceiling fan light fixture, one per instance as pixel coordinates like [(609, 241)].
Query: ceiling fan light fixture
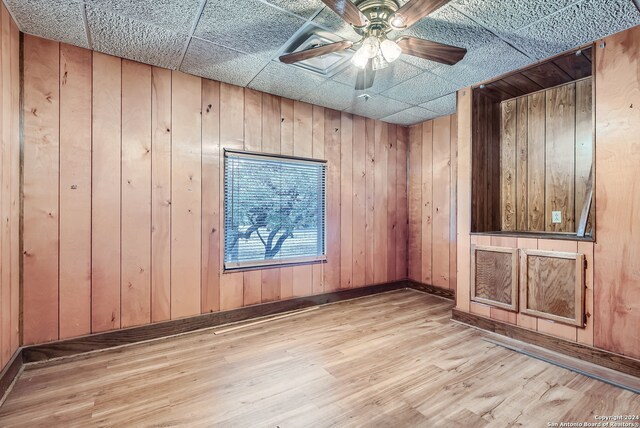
[(360, 58), (370, 46), (397, 22), (390, 50)]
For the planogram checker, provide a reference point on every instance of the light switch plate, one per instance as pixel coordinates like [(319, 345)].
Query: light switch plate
[(556, 216)]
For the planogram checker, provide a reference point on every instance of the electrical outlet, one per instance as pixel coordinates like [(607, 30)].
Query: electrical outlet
[(556, 216)]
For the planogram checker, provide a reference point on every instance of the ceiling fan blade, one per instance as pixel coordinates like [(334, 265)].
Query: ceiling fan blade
[(365, 77), (314, 52), (432, 51), (347, 11), (414, 10)]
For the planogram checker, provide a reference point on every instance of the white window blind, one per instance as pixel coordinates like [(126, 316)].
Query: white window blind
[(274, 210)]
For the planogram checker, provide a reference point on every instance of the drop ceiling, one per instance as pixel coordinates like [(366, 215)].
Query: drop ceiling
[(239, 41)]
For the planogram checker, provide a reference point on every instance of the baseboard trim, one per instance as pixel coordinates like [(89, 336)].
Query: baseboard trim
[(436, 291), (597, 356), (9, 373), (115, 338)]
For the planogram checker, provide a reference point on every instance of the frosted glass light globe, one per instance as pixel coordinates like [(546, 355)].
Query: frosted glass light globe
[(360, 58), (390, 50), (379, 62), (371, 46)]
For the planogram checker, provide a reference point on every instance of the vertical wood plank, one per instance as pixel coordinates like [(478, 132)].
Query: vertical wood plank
[(503, 315), (617, 251), (232, 137), (560, 157), (318, 153), (453, 200), (161, 194), (211, 197), (359, 200), (75, 190), (15, 187), (136, 194), (332, 153), (380, 239), (370, 200), (270, 144), (523, 320), (106, 193), (5, 189), (414, 194), (464, 199), (40, 188), (522, 164), (392, 206), (427, 202), (346, 200), (480, 309), (302, 146), (252, 142), (536, 161), (286, 148), (508, 164), (186, 198), (584, 143), (441, 202), (402, 142)]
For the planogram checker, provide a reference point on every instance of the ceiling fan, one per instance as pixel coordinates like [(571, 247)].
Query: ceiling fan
[(374, 20)]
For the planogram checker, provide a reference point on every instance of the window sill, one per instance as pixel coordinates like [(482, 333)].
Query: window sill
[(272, 266)]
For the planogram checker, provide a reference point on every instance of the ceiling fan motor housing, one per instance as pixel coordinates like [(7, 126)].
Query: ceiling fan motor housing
[(378, 13)]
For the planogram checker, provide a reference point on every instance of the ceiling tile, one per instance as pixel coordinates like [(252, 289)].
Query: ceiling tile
[(332, 94), (442, 105), (219, 63), (248, 26), (483, 63), (174, 15), (136, 40), (420, 89), (332, 22), (449, 26), (574, 26), (303, 8), (411, 116), (55, 20), (286, 80), (397, 72), (508, 15), (376, 107)]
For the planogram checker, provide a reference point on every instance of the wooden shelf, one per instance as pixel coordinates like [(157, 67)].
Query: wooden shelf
[(538, 235)]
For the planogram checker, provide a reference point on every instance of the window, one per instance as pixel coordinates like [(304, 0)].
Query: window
[(274, 210)]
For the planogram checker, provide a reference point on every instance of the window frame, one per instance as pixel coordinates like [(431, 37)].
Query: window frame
[(271, 264)]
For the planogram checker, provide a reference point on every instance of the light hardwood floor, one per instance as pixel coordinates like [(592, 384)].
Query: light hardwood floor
[(393, 359)]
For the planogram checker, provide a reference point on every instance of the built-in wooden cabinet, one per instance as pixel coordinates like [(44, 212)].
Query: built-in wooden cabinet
[(552, 285), (540, 283), (532, 150), (494, 279)]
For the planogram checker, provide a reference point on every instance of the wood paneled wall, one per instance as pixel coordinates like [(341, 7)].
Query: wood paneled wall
[(9, 186), (613, 271), (617, 251), (485, 179), (546, 153), (432, 202), (123, 196)]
